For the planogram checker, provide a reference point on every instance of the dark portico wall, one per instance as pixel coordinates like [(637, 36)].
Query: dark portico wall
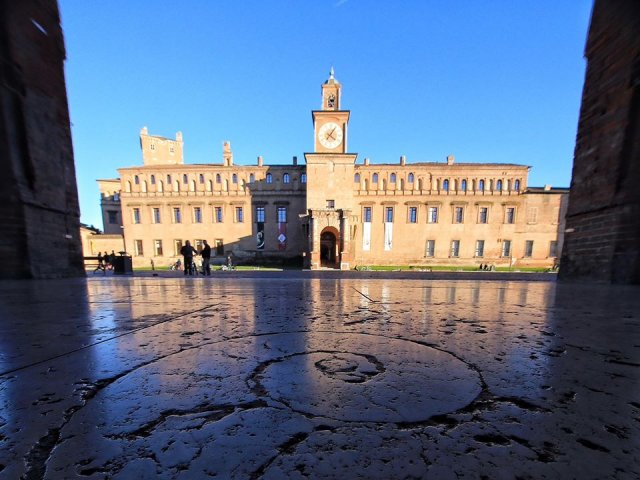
[(39, 211), (602, 242)]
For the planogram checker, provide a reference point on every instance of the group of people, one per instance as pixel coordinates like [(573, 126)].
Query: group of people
[(487, 267), (190, 268), (188, 252), (105, 262)]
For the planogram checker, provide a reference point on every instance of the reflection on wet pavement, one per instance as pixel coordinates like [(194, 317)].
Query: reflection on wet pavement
[(294, 377)]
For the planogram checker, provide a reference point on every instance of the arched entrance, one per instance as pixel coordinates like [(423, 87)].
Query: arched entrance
[(329, 248)]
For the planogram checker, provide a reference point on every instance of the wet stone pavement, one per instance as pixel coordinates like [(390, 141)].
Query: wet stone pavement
[(296, 376)]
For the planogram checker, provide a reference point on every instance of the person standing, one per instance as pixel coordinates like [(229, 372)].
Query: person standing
[(187, 251), (206, 257)]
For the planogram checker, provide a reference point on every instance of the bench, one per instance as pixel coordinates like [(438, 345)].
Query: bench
[(93, 263)]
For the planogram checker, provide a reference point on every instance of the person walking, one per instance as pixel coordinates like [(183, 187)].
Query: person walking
[(206, 257), (187, 251)]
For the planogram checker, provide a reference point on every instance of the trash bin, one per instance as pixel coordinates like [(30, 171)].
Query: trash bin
[(123, 265)]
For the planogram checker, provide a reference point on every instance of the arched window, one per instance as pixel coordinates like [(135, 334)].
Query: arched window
[(193, 186), (144, 186), (201, 178), (226, 184), (176, 186), (356, 178), (185, 179), (410, 178), (419, 184), (516, 185), (303, 178), (454, 185), (499, 185), (252, 178), (384, 184), (481, 185), (366, 184), (491, 185), (218, 178), (392, 178), (127, 188), (445, 185), (168, 179), (286, 178), (153, 179), (209, 185), (269, 178), (136, 179), (234, 178), (508, 186), (160, 186), (401, 184), (463, 185), (374, 178)]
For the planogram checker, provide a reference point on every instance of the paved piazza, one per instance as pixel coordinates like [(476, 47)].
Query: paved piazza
[(319, 375)]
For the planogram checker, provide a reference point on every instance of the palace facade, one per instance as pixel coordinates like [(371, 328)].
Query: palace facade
[(332, 212)]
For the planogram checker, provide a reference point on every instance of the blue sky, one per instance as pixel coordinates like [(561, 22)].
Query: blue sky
[(486, 81)]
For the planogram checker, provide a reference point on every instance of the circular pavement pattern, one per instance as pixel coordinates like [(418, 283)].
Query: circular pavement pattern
[(358, 377)]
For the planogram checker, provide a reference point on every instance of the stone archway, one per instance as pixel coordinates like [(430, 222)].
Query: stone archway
[(329, 253)]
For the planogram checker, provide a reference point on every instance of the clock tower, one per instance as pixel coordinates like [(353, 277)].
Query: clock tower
[(330, 171), (330, 123)]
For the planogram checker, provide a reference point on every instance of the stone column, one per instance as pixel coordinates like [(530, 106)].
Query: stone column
[(314, 242), (345, 241)]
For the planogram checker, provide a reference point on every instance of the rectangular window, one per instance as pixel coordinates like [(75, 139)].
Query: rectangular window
[(506, 248), (331, 204), (198, 245), (260, 214), (239, 215), (431, 248), (532, 215), (282, 214), (218, 214), (553, 248), (177, 215), (156, 215), (413, 214), (433, 215), (455, 248), (458, 215), (197, 215), (479, 248), (157, 248), (136, 215), (113, 216), (366, 214), (510, 215), (137, 248), (483, 214), (388, 214), (177, 246), (528, 248), (219, 246)]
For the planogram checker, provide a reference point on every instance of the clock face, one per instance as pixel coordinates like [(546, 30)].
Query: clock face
[(330, 135)]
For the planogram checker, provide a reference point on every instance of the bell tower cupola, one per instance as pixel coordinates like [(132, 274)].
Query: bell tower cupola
[(331, 93)]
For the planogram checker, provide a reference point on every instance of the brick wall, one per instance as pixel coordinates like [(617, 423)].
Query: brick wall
[(603, 220), (39, 211)]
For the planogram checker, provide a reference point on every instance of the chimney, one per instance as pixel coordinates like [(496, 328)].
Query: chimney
[(547, 188), (259, 160), (295, 160), (144, 131), (403, 160), (366, 161), (178, 136), (450, 159), (227, 156)]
